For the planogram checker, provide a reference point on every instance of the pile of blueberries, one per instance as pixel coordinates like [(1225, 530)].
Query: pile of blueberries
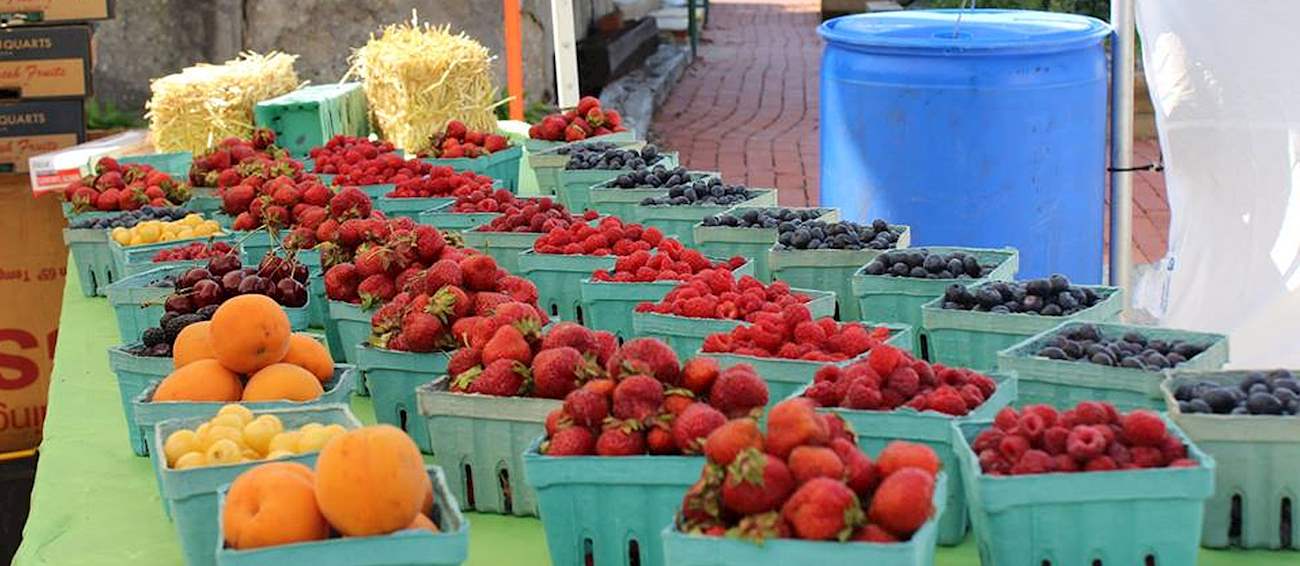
[(1085, 343), (708, 191), (780, 218), (653, 177), (922, 264), (604, 155), (127, 219), (843, 235), (1274, 393), (1053, 296)]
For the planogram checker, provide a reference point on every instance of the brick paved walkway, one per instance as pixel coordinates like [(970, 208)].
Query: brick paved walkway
[(748, 106)]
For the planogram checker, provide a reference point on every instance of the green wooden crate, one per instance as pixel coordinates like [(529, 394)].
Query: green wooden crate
[(1257, 457), (686, 335), (91, 258), (726, 241), (312, 115), (1065, 383), (972, 339), (559, 279), (502, 166), (828, 270), (899, 299)]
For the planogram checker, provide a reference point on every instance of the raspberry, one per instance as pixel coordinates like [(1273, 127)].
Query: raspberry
[(1013, 447), (1031, 426), (1046, 412), (1056, 440), (1091, 413), (904, 380), (861, 395), (1120, 454), (992, 462), (1144, 428), (885, 358), (824, 393), (1100, 464), (1173, 449), (1085, 443), (1034, 462), (946, 400), (827, 373), (1064, 463), (1147, 457), (987, 439), (1007, 419)]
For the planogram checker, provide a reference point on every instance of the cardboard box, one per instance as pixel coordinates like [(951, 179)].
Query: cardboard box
[(44, 62), (30, 128), (17, 12)]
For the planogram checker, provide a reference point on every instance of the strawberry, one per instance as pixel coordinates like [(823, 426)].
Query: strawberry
[(494, 143), (903, 501), (792, 423), (823, 509), (429, 243), (556, 372), (859, 473), (756, 483), (341, 282), (730, 439), (587, 407), (574, 133), (693, 426), (462, 360), (519, 289), (808, 462), (569, 334), (503, 378), (507, 343), (479, 272), (450, 302), (373, 260), (637, 398), (738, 392), (900, 454), (375, 289), (350, 202), (442, 273), (620, 440), (421, 331), (659, 440), (486, 302), (572, 441), (699, 374), (651, 353), (606, 345), (873, 533), (701, 502)]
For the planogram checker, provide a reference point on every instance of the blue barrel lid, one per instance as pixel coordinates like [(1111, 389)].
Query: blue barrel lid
[(980, 31)]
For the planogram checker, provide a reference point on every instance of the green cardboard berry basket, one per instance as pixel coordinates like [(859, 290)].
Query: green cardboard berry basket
[(174, 163), (972, 339), (559, 277), (190, 496), (375, 191), (443, 218), (504, 247), (686, 335), (609, 305), (130, 260), (784, 376), (392, 377), (90, 256), (899, 299), (338, 390), (411, 547), (681, 549), (502, 165), (602, 505), (1065, 383), (352, 324), (1257, 457), (828, 270), (137, 305), (679, 221), (399, 207), (72, 215), (135, 374), (318, 309), (574, 186), (206, 201), (1088, 518), (480, 440), (876, 429), (625, 202), (546, 163), (726, 241)]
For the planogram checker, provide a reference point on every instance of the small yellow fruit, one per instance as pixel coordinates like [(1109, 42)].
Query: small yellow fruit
[(166, 237), (212, 226), (190, 460), (121, 235), (250, 455), (192, 220), (228, 420), (244, 413), (280, 454), (334, 430), (218, 433), (284, 442), (259, 433), (312, 440), (202, 430), (310, 427), (178, 444), (224, 451), (150, 232), (185, 234)]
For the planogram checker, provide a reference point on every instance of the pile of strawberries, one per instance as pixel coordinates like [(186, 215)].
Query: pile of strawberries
[(587, 120), (642, 401), (330, 158), (193, 251), (380, 169), (672, 261), (891, 378), (505, 354), (609, 237), (807, 479), (451, 300), (369, 260), (457, 140), (1091, 437), (441, 182), (718, 294), (794, 335), (541, 215), (235, 159), (277, 202), (124, 187)]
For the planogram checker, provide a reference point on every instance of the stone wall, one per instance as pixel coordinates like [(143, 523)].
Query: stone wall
[(152, 38)]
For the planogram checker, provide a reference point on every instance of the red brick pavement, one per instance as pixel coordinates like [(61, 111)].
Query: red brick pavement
[(748, 106)]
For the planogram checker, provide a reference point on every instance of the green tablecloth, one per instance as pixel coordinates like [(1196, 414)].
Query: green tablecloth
[(97, 503)]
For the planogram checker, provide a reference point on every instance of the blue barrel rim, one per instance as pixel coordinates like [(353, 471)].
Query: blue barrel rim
[(1072, 32)]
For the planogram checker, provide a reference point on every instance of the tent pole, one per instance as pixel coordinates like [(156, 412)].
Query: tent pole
[(566, 53), (1121, 146)]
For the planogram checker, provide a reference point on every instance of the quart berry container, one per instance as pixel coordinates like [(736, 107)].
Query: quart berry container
[(575, 185), (1065, 383), (679, 221), (135, 374), (1258, 457), (317, 307), (130, 260), (681, 549), (409, 207), (546, 162), (559, 278), (828, 270), (1145, 516), (90, 256), (392, 378), (504, 247), (443, 218), (412, 547), (375, 191), (726, 241), (190, 496), (501, 165), (338, 390), (609, 508), (480, 441), (609, 305), (138, 303), (972, 339), (686, 335), (899, 299), (784, 376), (623, 202), (353, 326), (876, 429)]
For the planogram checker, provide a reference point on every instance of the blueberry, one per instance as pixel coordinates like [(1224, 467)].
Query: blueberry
[(1285, 395), (1239, 411), (918, 272), (934, 263), (1259, 388), (1156, 361), (1287, 383), (876, 267), (1050, 310), (1058, 283), (1102, 358), (1263, 404), (1220, 399), (988, 297), (1199, 406), (1280, 374), (1132, 363)]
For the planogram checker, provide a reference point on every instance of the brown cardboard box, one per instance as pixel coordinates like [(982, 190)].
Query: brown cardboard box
[(15, 12), (29, 128), (44, 62)]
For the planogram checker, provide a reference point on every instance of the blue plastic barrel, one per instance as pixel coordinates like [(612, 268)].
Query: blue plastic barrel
[(986, 133)]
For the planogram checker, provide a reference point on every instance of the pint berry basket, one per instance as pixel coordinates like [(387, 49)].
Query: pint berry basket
[(876, 429), (415, 547), (206, 201), (500, 165), (1256, 479), (726, 241), (90, 255), (681, 549), (409, 207), (609, 305), (504, 247), (190, 496), (443, 218), (679, 221), (573, 186), (829, 270), (480, 440), (137, 300), (392, 378), (686, 335), (972, 339), (134, 375), (1065, 383), (608, 508), (625, 202), (346, 326), (1121, 517), (559, 278)]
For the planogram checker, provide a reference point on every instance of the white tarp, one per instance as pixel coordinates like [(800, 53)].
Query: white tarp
[(1224, 77)]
